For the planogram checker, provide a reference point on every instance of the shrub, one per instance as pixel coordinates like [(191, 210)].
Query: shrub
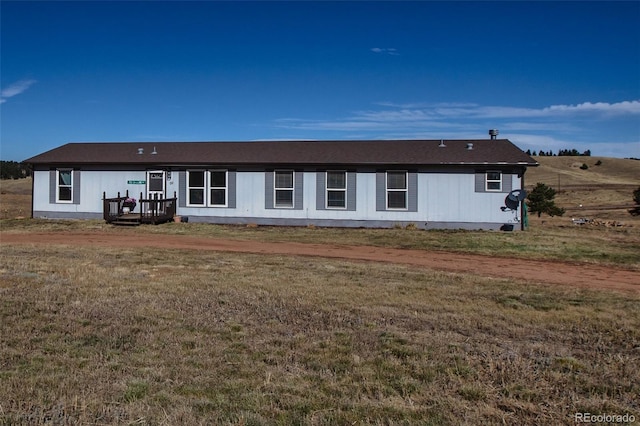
[(541, 201), (636, 198)]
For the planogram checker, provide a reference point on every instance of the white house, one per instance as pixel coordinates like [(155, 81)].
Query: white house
[(382, 183)]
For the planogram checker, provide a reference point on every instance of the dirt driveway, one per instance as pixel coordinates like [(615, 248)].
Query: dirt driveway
[(547, 272)]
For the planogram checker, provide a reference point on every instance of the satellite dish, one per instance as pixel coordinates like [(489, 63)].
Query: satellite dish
[(517, 195), (510, 203)]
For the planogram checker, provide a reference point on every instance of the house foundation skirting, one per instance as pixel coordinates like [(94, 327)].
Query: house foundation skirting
[(65, 215), (328, 223), (337, 223)]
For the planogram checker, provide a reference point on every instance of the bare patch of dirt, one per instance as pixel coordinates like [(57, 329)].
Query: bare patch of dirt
[(538, 271)]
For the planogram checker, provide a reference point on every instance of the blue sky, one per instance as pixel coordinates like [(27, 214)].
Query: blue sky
[(548, 75)]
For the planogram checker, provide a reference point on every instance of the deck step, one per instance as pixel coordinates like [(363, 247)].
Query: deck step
[(126, 222), (129, 219)]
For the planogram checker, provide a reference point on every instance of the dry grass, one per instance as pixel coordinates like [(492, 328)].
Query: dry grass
[(609, 184), (15, 198), (106, 336), (566, 170)]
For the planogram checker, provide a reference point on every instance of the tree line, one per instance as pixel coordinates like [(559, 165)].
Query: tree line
[(561, 153), (14, 170)]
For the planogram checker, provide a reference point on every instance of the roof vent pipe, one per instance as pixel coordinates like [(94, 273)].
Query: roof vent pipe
[(469, 146), (154, 152), (442, 145), (493, 133), (140, 151)]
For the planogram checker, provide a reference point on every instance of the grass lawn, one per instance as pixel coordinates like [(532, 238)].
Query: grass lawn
[(105, 336)]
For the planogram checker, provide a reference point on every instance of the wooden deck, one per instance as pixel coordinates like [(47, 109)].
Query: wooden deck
[(152, 211)]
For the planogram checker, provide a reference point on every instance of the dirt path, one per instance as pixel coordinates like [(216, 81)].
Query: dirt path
[(548, 272)]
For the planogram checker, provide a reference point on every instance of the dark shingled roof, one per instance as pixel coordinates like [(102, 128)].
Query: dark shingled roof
[(311, 153)]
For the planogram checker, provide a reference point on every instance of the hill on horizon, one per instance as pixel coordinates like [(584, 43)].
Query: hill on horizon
[(604, 191), (565, 171)]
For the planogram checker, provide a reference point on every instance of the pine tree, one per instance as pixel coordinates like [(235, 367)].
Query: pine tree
[(540, 200)]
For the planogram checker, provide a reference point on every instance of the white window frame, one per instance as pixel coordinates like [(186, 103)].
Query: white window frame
[(405, 190), (59, 186), (276, 188), (488, 181), (203, 188), (328, 190), (210, 187)]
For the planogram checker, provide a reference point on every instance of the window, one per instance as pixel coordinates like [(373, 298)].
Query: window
[(493, 181), (207, 188), (218, 188), (336, 190), (397, 190), (195, 187), (64, 191), (283, 187)]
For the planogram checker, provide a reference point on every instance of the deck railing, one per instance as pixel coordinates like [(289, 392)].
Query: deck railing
[(152, 210), (112, 207), (157, 210)]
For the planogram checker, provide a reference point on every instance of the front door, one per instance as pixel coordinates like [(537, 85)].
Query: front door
[(155, 190), (156, 184)]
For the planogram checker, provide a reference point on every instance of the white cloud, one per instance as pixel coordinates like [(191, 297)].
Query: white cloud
[(625, 107), (494, 111), (385, 50), (602, 108), (424, 114), (552, 127), (15, 89)]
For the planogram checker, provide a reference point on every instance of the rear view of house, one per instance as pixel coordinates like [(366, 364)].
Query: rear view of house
[(382, 183)]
